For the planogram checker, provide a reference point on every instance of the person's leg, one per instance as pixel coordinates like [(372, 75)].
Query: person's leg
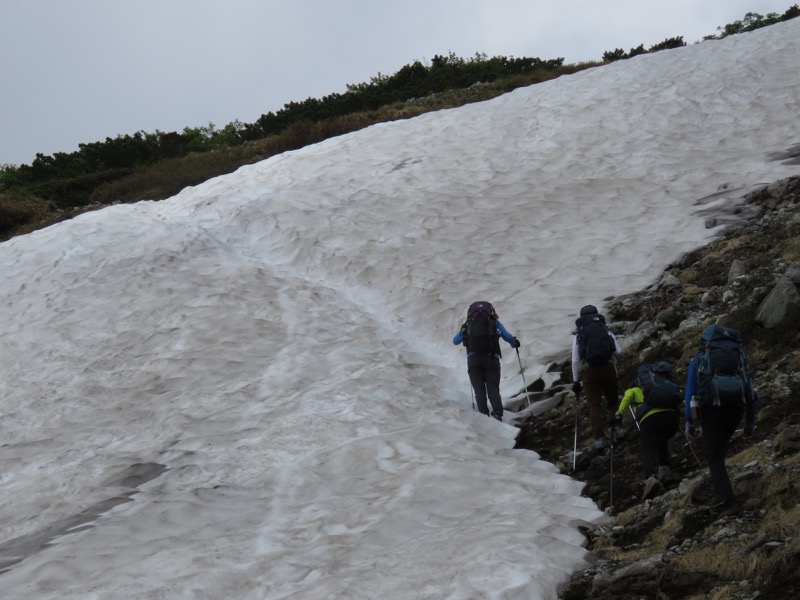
[(492, 376), (593, 391), (732, 418), (601, 387), (477, 378), (668, 423), (718, 426), (610, 385), (649, 439)]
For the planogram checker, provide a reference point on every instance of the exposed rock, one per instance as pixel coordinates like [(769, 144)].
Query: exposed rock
[(669, 280), (793, 273), (679, 544), (781, 307), (738, 269)]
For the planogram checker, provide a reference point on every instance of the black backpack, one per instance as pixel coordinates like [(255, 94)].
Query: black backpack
[(659, 390), (721, 368), (480, 333), (595, 344)]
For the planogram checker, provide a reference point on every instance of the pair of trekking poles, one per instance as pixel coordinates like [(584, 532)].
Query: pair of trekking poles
[(610, 459)]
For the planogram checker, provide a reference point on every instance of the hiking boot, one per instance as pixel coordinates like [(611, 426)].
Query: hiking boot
[(599, 444), (652, 487), (731, 510), (498, 416)]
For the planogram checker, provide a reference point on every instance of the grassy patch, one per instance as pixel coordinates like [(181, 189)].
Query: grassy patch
[(22, 213)]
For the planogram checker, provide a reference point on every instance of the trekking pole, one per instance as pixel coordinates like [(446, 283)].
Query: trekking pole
[(688, 443), (611, 474), (633, 414), (522, 372), (472, 394), (575, 443)]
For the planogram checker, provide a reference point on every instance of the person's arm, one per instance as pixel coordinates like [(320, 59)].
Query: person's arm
[(617, 349), (459, 337), (576, 360), (751, 405), (750, 410), (690, 420), (512, 341), (634, 395), (691, 386)]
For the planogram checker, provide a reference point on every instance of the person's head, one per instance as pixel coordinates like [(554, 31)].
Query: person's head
[(588, 310), (663, 369)]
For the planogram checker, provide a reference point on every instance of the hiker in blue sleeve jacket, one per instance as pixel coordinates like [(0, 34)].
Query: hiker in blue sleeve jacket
[(718, 422), (480, 334)]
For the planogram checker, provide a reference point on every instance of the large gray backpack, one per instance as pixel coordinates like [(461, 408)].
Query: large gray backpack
[(722, 372)]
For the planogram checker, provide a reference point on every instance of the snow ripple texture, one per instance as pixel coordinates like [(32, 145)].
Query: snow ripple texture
[(249, 390)]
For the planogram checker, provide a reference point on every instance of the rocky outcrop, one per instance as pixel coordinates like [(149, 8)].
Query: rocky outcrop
[(677, 543), (781, 307)]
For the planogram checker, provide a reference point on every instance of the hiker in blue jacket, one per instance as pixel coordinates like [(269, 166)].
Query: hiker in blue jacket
[(481, 334), (719, 420)]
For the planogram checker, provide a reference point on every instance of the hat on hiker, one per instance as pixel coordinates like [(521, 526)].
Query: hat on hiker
[(588, 310)]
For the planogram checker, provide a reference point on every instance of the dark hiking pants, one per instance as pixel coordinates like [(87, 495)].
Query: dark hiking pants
[(655, 433), (600, 383), (484, 375), (719, 423)]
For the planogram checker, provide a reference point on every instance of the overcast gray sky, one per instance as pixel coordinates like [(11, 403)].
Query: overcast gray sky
[(76, 71)]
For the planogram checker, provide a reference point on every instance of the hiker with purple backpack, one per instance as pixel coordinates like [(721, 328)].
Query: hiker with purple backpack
[(480, 334)]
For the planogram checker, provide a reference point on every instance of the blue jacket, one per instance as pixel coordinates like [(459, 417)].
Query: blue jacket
[(501, 332), (691, 390)]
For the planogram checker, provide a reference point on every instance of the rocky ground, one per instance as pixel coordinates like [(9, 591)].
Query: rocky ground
[(676, 545)]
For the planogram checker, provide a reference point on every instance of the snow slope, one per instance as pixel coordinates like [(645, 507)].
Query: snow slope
[(249, 390)]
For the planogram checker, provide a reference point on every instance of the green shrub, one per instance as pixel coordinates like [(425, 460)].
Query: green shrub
[(619, 53), (19, 214), (158, 165)]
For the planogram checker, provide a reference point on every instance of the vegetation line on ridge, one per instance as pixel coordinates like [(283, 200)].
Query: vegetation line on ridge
[(158, 165)]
